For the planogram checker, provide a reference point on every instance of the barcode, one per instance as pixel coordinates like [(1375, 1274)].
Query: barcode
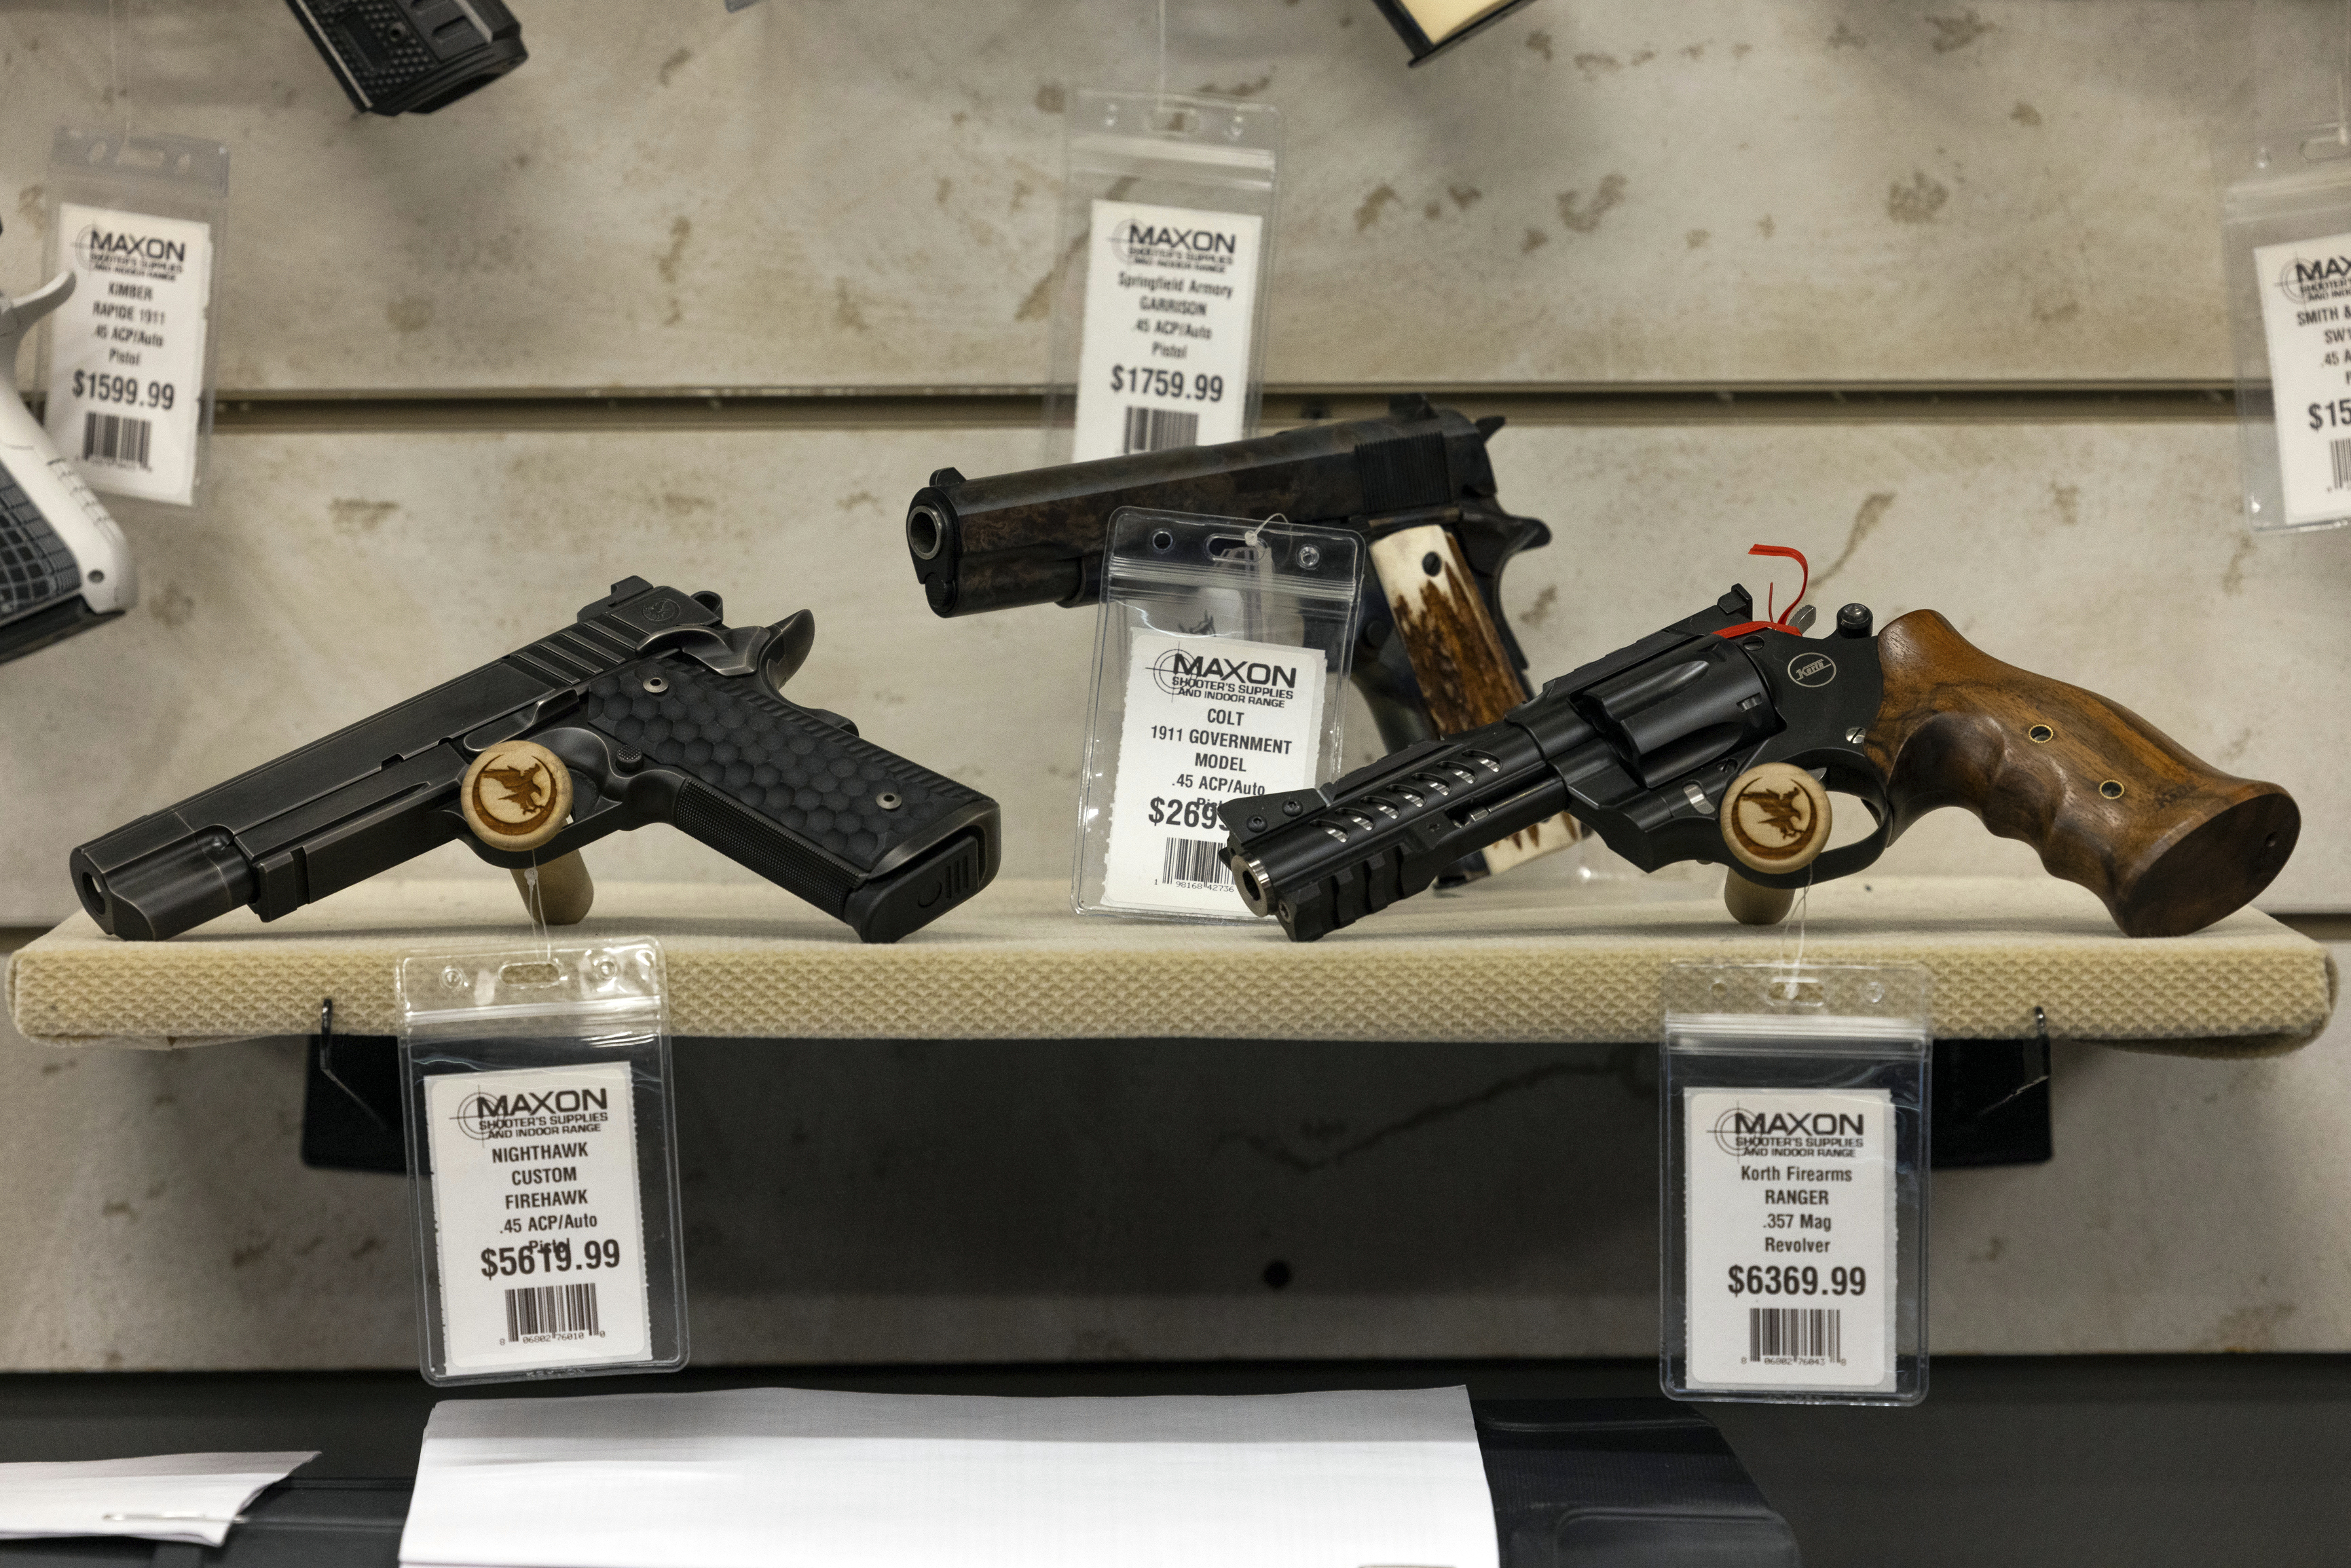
[(1157, 429), (1200, 861), (1804, 1332), (551, 1309), (114, 437), (2340, 451)]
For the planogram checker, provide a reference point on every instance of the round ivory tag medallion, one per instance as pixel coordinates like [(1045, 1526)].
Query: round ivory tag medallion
[(1775, 817), (515, 796)]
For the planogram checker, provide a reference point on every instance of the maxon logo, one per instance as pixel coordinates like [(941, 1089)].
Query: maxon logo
[(1737, 1132), (1134, 242), (485, 1115), (114, 250), (2326, 277), (1179, 674)]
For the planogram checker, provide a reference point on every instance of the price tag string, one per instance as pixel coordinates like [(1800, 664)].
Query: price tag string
[(1803, 904), (534, 899)]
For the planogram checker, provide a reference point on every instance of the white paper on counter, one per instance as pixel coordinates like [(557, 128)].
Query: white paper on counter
[(163, 1497), (786, 1475)]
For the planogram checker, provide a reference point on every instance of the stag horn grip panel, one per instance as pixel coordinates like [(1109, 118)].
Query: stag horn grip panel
[(2168, 842)]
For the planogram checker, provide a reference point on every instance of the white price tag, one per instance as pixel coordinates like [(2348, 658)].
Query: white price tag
[(1790, 1246), (2306, 316), (126, 351), (1206, 719), (1171, 302), (536, 1216)]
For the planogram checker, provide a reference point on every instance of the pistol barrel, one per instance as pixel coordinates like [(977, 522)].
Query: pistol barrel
[(175, 889), (1321, 859)]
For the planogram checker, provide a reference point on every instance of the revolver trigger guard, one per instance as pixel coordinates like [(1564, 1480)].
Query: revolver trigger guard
[(1842, 860)]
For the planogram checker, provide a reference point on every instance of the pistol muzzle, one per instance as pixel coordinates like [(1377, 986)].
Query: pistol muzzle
[(931, 542), (173, 889), (1025, 558), (1256, 888)]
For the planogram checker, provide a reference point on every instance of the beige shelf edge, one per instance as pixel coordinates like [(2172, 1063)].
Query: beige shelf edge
[(1537, 961)]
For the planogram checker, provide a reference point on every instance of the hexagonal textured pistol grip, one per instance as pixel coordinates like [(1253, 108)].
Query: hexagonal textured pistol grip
[(806, 804)]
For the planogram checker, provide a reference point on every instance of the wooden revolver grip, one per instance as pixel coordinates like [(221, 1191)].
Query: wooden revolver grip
[(2111, 802)]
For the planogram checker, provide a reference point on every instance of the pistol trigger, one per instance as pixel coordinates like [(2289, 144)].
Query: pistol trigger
[(789, 642)]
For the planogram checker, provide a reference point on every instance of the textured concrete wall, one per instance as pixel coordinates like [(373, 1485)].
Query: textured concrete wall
[(857, 194), (825, 194)]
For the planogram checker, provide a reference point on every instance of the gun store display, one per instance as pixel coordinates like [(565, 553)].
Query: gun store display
[(1322, 870)]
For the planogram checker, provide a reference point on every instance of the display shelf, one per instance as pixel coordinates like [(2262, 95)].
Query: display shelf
[(1525, 960)]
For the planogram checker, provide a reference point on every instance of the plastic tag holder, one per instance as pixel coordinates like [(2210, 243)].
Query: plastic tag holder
[(1206, 157), (2285, 225), (2286, 204), (1207, 581), (1781, 1046), (183, 181), (526, 1057)]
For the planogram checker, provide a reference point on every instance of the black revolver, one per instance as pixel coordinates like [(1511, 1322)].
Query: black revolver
[(659, 712), (1718, 739)]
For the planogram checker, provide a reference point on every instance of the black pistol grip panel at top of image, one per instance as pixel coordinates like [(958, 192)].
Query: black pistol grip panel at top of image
[(859, 831), (412, 57)]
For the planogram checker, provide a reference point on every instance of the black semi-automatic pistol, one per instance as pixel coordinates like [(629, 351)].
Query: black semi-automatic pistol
[(659, 711)]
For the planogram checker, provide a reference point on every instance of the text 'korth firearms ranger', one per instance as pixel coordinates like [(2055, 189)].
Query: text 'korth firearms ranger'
[(1716, 738), (1434, 654), (649, 709)]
